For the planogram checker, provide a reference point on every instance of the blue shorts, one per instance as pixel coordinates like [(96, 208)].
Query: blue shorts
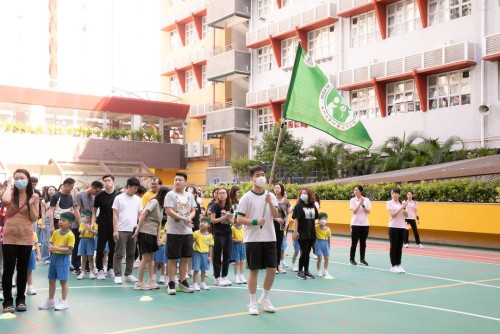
[(59, 266), (86, 247), (200, 261), (283, 244), (106, 248), (296, 246), (160, 256), (321, 248), (32, 262), (238, 252)]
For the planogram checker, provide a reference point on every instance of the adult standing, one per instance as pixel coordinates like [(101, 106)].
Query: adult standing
[(397, 230), (156, 183), (222, 218), (214, 199), (281, 223), (61, 202), (412, 220), (84, 202), (127, 208), (22, 210), (180, 206), (197, 209), (360, 227), (256, 212), (44, 232), (103, 202), (304, 215)]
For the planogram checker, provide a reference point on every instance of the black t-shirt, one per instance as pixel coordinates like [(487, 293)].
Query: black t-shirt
[(224, 227), (104, 202), (61, 203), (306, 214), (196, 218)]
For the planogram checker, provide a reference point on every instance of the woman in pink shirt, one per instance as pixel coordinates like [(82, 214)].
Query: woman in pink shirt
[(360, 207), (397, 230), (412, 220)]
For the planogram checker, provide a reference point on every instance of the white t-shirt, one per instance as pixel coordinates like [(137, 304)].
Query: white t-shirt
[(360, 218), (182, 205), (252, 207), (129, 208), (399, 220)]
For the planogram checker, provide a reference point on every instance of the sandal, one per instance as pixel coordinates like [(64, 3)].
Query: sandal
[(8, 309), (21, 307)]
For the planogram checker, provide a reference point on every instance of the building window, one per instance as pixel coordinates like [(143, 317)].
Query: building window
[(205, 29), (190, 81), (445, 10), (264, 7), (204, 82), (402, 17), (204, 135), (402, 97), (320, 42), (174, 88), (448, 89), (265, 119), (190, 33), (364, 29), (364, 102), (288, 50), (175, 41), (265, 59)]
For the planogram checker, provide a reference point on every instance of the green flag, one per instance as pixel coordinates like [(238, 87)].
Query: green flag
[(313, 100)]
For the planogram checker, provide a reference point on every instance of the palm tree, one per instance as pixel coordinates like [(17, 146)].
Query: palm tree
[(363, 163), (432, 152), (329, 158), (400, 152)]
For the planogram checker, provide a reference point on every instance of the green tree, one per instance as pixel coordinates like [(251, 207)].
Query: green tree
[(328, 158), (431, 151), (400, 152), (241, 166), (362, 163)]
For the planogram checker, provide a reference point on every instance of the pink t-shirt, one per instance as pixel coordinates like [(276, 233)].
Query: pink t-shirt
[(360, 218), (412, 209), (399, 220)]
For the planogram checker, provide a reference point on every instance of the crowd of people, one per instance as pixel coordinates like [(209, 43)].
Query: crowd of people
[(169, 232)]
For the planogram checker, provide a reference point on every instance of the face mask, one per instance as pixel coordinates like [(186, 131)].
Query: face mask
[(21, 184), (260, 181), (304, 197), (322, 222), (84, 220)]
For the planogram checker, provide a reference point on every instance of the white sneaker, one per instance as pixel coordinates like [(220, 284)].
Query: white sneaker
[(326, 274), (253, 309), (62, 305), (81, 276), (407, 245), (118, 280), (196, 287), (266, 304), (136, 264), (110, 273), (130, 278), (142, 286), (92, 275), (30, 291), (401, 270), (394, 269), (101, 275), (237, 279), (162, 279), (242, 279), (283, 264), (204, 286), (95, 271), (49, 303), (320, 273), (226, 282), (281, 270), (294, 269), (420, 246), (171, 291)]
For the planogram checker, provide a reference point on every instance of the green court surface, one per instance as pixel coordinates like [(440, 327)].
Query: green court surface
[(445, 290)]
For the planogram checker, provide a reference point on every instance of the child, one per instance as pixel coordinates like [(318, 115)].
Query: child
[(238, 253), (296, 250), (160, 256), (87, 244), (202, 256), (34, 258), (61, 246), (322, 245)]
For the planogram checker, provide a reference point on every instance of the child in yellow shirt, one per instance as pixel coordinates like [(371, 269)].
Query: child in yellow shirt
[(202, 256), (322, 245), (87, 244), (238, 253), (160, 256)]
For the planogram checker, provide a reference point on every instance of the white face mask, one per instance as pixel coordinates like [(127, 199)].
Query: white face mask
[(322, 222), (304, 197), (260, 181)]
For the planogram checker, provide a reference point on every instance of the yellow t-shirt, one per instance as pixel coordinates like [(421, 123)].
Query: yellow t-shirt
[(322, 234), (84, 233), (237, 233), (162, 233), (35, 240), (146, 197), (62, 240), (202, 242)]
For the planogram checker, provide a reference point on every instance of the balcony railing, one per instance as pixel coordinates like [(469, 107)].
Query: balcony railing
[(222, 13), (264, 96), (201, 110), (185, 60), (228, 120), (350, 4), (229, 62), (183, 10)]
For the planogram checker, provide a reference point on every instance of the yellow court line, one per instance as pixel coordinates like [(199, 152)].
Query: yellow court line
[(184, 322)]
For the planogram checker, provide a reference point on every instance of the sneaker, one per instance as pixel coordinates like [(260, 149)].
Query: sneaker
[(326, 274), (283, 264), (266, 304), (130, 278), (353, 262), (309, 275), (110, 273), (184, 287), (237, 279), (136, 264), (420, 246), (294, 269), (401, 270), (30, 291), (320, 273), (21, 307), (77, 271), (242, 279), (162, 279), (363, 263), (226, 282), (46, 262), (153, 285), (62, 305), (217, 282), (394, 269), (92, 275), (253, 309), (101, 275), (118, 280), (81, 276), (196, 287), (171, 288), (142, 286), (301, 275), (49, 303), (204, 286), (281, 270), (95, 271), (407, 245)]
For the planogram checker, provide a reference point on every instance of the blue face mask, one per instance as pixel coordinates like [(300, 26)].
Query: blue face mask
[(304, 197), (21, 184)]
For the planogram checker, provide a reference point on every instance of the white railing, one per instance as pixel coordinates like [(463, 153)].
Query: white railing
[(492, 45), (219, 50), (205, 108), (446, 55), (348, 4), (185, 60), (265, 95), (183, 10), (307, 17)]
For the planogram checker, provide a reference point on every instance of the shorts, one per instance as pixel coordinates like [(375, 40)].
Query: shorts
[(106, 248), (179, 245), (147, 243), (200, 261), (59, 266), (296, 246), (261, 255), (160, 256), (321, 248), (32, 261), (86, 247), (238, 252), (283, 244)]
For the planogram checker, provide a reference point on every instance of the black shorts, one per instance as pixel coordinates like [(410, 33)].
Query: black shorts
[(179, 245), (261, 255), (147, 243)]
